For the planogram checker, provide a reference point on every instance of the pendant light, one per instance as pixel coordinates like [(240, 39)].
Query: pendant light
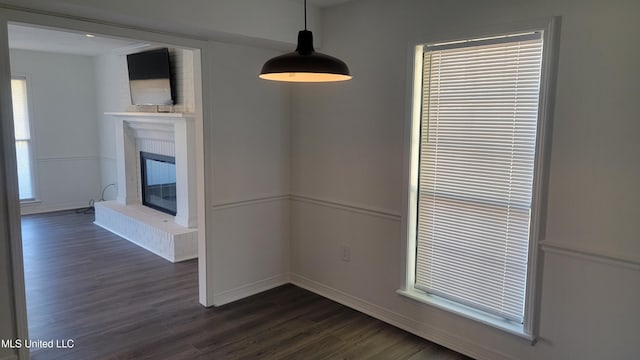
[(305, 64)]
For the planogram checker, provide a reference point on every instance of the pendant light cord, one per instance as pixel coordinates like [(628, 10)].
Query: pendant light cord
[(305, 14)]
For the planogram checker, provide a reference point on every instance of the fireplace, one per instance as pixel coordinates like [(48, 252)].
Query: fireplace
[(155, 162), (158, 182)]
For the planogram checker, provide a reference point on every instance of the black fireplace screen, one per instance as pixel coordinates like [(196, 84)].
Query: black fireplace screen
[(158, 182)]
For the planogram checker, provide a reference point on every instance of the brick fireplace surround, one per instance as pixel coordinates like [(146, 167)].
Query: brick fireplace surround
[(171, 237)]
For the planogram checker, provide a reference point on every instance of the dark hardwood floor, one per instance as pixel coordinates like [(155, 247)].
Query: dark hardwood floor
[(118, 301)]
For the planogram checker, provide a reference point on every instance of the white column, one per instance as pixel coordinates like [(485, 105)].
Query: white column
[(186, 207), (126, 164)]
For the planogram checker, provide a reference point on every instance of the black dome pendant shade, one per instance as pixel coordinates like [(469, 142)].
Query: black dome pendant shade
[(305, 64)]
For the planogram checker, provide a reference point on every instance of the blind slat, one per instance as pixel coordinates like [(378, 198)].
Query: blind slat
[(479, 123)]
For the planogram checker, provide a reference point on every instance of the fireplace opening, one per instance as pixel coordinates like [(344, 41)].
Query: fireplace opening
[(158, 178)]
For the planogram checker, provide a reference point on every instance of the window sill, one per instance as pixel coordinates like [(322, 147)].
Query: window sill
[(30, 202), (469, 313)]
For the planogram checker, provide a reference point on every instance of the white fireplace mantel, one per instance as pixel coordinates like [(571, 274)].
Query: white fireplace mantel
[(172, 132)]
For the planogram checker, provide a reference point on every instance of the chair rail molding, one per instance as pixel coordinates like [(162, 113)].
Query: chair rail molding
[(625, 261)]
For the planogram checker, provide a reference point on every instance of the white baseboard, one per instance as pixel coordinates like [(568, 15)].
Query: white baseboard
[(184, 258), (238, 293), (39, 208), (423, 330)]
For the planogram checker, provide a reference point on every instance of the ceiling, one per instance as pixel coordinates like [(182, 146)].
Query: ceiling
[(42, 39)]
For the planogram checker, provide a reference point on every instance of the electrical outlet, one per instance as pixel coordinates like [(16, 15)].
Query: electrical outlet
[(346, 252)]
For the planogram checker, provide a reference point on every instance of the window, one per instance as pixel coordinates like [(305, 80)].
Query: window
[(474, 156), (23, 138)]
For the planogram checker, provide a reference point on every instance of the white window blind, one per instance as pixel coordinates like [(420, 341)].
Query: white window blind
[(23, 137), (477, 150)]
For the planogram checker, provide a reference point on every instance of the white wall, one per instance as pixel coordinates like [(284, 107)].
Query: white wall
[(347, 173), (112, 96), (62, 105), (248, 148), (112, 84)]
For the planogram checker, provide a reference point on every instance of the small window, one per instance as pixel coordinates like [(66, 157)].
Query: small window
[(24, 151), (473, 173)]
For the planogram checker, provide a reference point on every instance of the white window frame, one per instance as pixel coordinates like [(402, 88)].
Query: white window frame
[(529, 328), (32, 157)]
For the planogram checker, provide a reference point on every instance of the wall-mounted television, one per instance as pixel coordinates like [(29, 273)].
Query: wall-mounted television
[(150, 78)]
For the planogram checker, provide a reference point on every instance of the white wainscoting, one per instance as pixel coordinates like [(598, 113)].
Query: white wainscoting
[(250, 246), (241, 292), (576, 282), (396, 319), (336, 289)]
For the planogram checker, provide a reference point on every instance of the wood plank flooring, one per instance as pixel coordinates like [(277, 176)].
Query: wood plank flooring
[(119, 301)]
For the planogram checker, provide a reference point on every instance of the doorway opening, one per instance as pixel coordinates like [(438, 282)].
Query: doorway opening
[(70, 80)]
